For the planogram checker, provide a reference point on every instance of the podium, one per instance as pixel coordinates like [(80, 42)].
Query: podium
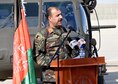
[(78, 71)]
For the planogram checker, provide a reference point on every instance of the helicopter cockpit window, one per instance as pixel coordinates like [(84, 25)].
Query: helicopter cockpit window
[(83, 19), (6, 16), (32, 14), (67, 13)]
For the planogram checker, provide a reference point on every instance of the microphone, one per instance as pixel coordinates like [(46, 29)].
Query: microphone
[(93, 42), (81, 43), (76, 44), (73, 43)]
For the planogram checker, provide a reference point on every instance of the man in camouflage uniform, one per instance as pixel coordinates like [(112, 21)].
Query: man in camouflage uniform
[(47, 40)]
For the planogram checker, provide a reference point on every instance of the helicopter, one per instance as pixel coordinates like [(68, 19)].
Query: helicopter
[(76, 14)]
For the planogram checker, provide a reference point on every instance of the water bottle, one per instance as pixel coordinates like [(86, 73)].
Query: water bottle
[(82, 52)]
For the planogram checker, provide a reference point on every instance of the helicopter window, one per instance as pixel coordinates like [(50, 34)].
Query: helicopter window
[(32, 14), (83, 19), (6, 15), (67, 13)]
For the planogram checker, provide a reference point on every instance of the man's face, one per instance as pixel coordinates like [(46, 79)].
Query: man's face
[(56, 18)]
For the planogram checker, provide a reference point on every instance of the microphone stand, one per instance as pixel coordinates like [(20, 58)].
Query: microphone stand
[(57, 55), (95, 50), (93, 42)]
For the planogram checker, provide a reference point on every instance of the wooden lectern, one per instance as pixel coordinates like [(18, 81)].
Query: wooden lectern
[(78, 71)]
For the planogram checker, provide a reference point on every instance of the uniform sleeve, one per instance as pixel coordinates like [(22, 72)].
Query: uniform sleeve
[(39, 43), (40, 52)]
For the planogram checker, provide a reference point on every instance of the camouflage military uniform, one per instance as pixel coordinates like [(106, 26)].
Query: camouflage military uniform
[(46, 46)]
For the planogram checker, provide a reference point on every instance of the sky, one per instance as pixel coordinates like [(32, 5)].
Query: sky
[(107, 1)]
